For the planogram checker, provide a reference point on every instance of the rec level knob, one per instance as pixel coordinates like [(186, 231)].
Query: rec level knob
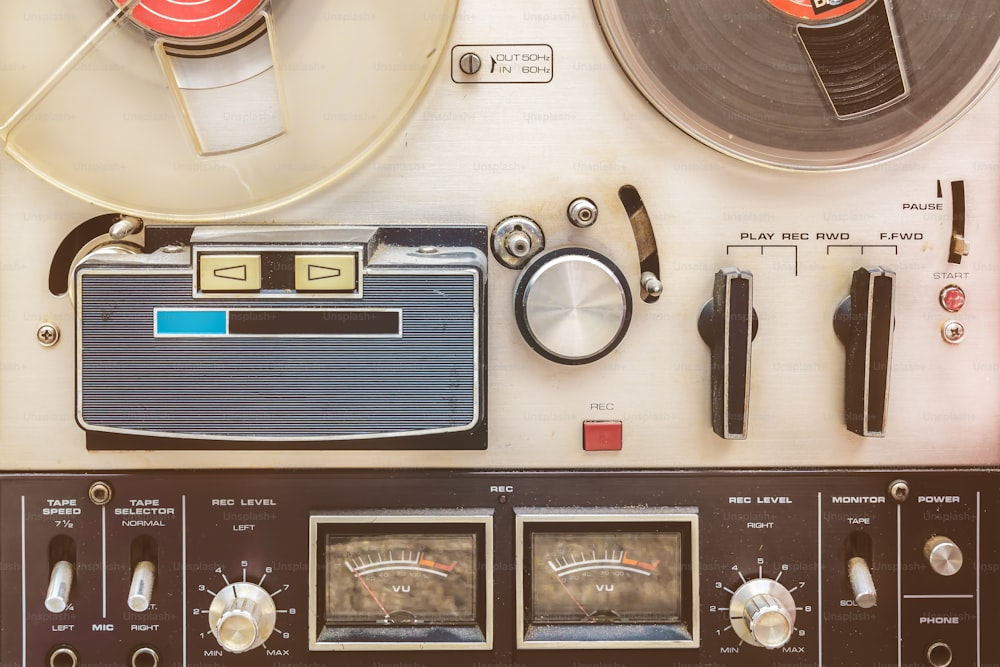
[(572, 305), (242, 617), (762, 613)]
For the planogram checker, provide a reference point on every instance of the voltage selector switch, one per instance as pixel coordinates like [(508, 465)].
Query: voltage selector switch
[(864, 323)]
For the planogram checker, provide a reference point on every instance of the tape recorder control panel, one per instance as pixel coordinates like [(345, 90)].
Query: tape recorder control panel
[(464, 333)]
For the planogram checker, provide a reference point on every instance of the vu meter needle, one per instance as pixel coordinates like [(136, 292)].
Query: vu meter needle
[(372, 593), (586, 614), (79, 54)]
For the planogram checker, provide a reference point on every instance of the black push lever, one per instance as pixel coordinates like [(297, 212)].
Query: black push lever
[(864, 323), (728, 324)]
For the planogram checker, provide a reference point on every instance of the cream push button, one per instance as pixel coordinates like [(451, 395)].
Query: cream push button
[(229, 273), (326, 273)]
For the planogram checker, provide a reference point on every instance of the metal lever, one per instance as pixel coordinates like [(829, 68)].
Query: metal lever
[(728, 324), (864, 324)]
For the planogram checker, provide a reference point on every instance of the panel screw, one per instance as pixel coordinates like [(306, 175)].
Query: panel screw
[(953, 331), (47, 334), (899, 490), (470, 63)]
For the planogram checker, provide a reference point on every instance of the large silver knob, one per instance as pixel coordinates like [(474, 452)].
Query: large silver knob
[(762, 612), (242, 617), (572, 305)]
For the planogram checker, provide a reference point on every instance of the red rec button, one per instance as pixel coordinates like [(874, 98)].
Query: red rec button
[(602, 436)]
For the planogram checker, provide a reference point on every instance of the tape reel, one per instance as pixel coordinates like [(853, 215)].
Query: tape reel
[(808, 84), (214, 109)]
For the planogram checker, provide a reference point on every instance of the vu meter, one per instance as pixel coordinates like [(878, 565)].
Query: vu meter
[(401, 579), (398, 581), (607, 580)]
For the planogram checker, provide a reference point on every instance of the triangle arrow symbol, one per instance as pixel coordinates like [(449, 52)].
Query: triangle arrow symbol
[(318, 272), (238, 272)]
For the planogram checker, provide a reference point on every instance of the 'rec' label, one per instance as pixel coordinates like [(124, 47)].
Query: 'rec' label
[(818, 9)]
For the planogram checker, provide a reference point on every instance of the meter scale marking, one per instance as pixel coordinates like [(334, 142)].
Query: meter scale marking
[(415, 564), (614, 562)]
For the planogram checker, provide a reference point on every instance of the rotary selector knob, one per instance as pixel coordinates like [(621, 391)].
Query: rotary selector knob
[(242, 617), (762, 612), (572, 305)]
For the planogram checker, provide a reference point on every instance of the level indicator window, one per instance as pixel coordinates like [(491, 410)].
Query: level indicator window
[(607, 581), (387, 582)]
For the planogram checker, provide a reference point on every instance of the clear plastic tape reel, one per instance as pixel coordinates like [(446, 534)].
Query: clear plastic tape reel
[(252, 112), (841, 90)]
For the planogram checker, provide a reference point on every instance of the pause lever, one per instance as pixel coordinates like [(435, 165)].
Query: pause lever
[(728, 324), (864, 324)]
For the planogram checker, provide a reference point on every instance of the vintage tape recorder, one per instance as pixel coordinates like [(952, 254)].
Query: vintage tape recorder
[(467, 333)]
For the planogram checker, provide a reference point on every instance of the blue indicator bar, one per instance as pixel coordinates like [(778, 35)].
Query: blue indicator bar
[(191, 323)]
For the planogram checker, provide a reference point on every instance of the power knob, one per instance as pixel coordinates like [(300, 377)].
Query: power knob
[(943, 555), (572, 305), (762, 613), (242, 617)]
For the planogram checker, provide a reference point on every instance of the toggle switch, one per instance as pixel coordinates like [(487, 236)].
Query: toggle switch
[(728, 324), (959, 246), (60, 583), (862, 584), (140, 592), (864, 323)]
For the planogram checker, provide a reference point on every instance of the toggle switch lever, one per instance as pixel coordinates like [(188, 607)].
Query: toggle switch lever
[(140, 592), (862, 584), (60, 583), (728, 324), (864, 323)]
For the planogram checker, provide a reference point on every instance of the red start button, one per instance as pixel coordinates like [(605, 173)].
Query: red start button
[(952, 298), (602, 436), (191, 19)]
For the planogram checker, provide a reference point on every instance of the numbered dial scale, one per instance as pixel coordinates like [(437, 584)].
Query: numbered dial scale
[(243, 613), (607, 580), (397, 581), (768, 605)]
